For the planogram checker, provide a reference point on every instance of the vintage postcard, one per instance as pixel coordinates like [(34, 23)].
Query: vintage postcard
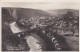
[(40, 26)]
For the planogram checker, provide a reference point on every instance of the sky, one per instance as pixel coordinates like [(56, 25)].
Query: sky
[(40, 0), (42, 5)]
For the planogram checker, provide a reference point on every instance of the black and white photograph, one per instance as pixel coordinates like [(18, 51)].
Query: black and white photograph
[(40, 26)]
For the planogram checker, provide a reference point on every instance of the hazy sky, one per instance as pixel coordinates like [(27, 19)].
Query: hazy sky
[(42, 5)]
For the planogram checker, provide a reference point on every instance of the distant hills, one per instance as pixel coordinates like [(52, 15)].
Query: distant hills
[(58, 12)]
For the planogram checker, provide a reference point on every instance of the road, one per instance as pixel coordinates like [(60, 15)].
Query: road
[(35, 42)]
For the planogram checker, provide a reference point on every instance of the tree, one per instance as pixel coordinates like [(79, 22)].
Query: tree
[(68, 17)]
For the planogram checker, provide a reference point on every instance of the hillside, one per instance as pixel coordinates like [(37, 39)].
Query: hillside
[(34, 13), (25, 13)]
